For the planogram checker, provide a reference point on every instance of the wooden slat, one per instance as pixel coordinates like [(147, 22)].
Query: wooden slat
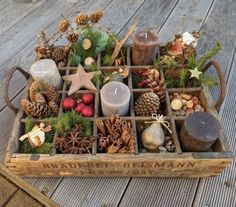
[(22, 199), (16, 12), (7, 189), (5, 3), (220, 191), (180, 19)]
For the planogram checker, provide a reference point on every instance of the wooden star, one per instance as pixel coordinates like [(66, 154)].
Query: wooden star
[(80, 79), (195, 73)]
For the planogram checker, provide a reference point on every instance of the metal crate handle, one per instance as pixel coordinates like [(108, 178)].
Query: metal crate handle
[(222, 82), (7, 82)]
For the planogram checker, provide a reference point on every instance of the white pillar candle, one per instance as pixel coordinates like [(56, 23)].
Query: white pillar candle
[(115, 98), (46, 73)]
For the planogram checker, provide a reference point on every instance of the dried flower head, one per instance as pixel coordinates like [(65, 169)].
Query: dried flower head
[(63, 25), (82, 19), (96, 16)]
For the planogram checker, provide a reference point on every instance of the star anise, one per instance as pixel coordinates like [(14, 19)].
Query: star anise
[(61, 143), (73, 138), (78, 128), (76, 150)]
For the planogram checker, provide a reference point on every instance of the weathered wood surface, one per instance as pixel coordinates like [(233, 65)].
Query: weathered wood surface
[(16, 192), (219, 25)]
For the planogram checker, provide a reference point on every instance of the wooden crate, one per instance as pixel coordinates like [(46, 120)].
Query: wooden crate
[(139, 164)]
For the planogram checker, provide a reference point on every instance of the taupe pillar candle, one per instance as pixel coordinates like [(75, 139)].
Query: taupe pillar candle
[(145, 48), (199, 131)]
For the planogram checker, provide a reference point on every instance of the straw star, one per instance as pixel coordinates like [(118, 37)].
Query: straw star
[(195, 73), (80, 79)]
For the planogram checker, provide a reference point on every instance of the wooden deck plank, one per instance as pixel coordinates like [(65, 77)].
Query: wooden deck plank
[(221, 190), (22, 199), (5, 3), (7, 189), (180, 20), (24, 31), (16, 12)]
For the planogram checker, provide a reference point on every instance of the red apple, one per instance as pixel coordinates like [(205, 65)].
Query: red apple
[(87, 111), (79, 107), (69, 103), (87, 98)]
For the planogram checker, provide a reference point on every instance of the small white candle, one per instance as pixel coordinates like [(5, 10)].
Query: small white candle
[(115, 98), (46, 73)]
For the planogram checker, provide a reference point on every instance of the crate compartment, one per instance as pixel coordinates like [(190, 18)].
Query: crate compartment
[(116, 135), (169, 145), (195, 101)]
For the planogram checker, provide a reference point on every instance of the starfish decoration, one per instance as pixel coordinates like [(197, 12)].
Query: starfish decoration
[(195, 73), (80, 79)]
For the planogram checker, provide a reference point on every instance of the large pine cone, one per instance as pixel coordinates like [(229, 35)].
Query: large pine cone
[(158, 85), (39, 98), (34, 88), (52, 94), (36, 110), (147, 104)]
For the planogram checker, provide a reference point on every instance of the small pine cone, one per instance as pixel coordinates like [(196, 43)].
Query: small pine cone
[(39, 98), (34, 88), (59, 54), (72, 38), (147, 104), (96, 16), (54, 108), (63, 25), (52, 94), (34, 109), (82, 19)]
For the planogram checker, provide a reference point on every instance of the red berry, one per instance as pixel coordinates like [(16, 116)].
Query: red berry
[(79, 107), (87, 111), (87, 98), (69, 103)]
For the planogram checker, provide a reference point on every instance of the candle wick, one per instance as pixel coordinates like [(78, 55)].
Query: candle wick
[(115, 91), (145, 35)]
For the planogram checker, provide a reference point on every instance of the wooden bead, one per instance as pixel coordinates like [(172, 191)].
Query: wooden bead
[(176, 104), (86, 44)]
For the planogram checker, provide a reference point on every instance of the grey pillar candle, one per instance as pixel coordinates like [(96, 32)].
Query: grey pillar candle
[(145, 48), (199, 131), (115, 98)]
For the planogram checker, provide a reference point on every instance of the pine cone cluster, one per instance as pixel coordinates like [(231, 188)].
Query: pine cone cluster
[(40, 105), (82, 19), (43, 52), (96, 16), (157, 85), (147, 104), (63, 25)]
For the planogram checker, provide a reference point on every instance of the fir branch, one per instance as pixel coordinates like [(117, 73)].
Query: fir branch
[(29, 124), (203, 60)]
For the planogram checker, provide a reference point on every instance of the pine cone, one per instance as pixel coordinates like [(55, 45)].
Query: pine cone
[(43, 52), (96, 16), (39, 98), (53, 108), (147, 104), (60, 54), (34, 109), (158, 85), (72, 38), (82, 19), (63, 25), (34, 88), (52, 94)]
